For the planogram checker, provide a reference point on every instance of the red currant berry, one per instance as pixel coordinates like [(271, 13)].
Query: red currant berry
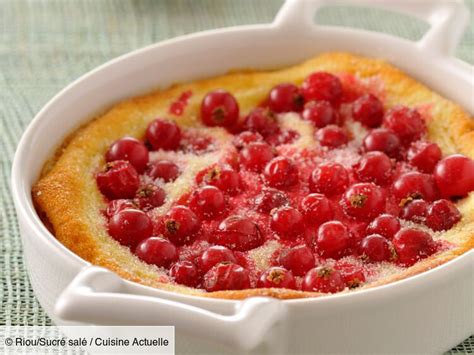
[(225, 179), (414, 185), (115, 206), (323, 279), (298, 259), (424, 156), (185, 273), (287, 222), (149, 197), (261, 120), (368, 110), (207, 201), (414, 211), (316, 209), (406, 123), (246, 137), (237, 233), (130, 226), (322, 86), (163, 134), (412, 245), (454, 176), (374, 167), (382, 140), (119, 180), (219, 108), (226, 276), (352, 275), (333, 239), (320, 113), (163, 169), (442, 215), (277, 277), (131, 150), (281, 172), (385, 225), (331, 136), (284, 136), (285, 98), (364, 200), (329, 179), (255, 156), (180, 225), (269, 199), (157, 251), (375, 248), (215, 255)]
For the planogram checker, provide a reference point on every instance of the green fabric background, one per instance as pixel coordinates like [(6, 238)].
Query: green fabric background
[(44, 45)]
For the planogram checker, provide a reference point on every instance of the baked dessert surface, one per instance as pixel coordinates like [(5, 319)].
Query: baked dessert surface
[(68, 198)]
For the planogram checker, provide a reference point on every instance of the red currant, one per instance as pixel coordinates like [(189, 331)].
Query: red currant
[(333, 239), (277, 277), (424, 156), (157, 251), (119, 180), (298, 259), (115, 206), (237, 233), (323, 279), (376, 248), (185, 273), (163, 134), (226, 276), (352, 275), (414, 211), (225, 179), (320, 113), (255, 156), (281, 172), (269, 199), (385, 225), (364, 200), (454, 176), (285, 98), (412, 245), (368, 110), (149, 197), (130, 226), (442, 215), (382, 140), (207, 201), (316, 209), (246, 137), (131, 150), (322, 86), (215, 255), (331, 136), (261, 120), (219, 108), (180, 225), (374, 167), (287, 222), (163, 169), (329, 179), (406, 123), (415, 185)]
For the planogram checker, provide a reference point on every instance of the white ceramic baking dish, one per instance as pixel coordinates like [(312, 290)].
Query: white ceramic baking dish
[(428, 313)]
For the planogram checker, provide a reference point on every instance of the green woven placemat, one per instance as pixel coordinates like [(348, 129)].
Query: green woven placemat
[(44, 45)]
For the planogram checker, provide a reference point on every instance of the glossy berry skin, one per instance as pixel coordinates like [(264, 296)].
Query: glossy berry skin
[(255, 156), (162, 134), (352, 275), (364, 201), (130, 226), (277, 277), (163, 169), (219, 108), (226, 276), (382, 140), (285, 98), (207, 201), (246, 137), (316, 209), (320, 114), (374, 167), (225, 179), (215, 255), (280, 172), (331, 136), (454, 176), (261, 120), (329, 179), (270, 198), (149, 197), (323, 279), (368, 110), (333, 239), (115, 206), (131, 150), (298, 259), (412, 245), (424, 156), (322, 86), (386, 225), (157, 251), (287, 222), (442, 215), (180, 225), (406, 123), (237, 233), (119, 180), (185, 273), (414, 211), (415, 185), (375, 248)]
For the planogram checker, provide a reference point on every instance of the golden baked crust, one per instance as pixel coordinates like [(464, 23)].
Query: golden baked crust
[(69, 198)]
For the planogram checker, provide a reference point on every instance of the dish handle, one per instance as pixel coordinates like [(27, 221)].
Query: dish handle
[(448, 19), (94, 296)]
